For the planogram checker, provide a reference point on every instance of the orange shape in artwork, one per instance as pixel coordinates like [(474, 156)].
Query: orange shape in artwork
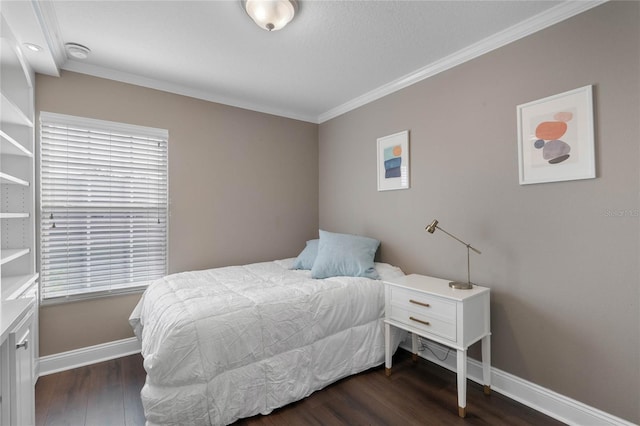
[(397, 151), (550, 130)]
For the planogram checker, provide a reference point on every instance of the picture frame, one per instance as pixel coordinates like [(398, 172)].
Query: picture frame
[(556, 138), (393, 161)]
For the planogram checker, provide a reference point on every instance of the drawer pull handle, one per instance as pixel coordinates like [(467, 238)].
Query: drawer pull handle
[(23, 344), (419, 303), (420, 321)]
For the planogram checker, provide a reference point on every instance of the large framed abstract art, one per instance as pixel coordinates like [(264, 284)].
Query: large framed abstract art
[(393, 161), (556, 138)]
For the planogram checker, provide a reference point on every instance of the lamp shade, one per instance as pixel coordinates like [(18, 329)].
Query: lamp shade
[(271, 15), (432, 226)]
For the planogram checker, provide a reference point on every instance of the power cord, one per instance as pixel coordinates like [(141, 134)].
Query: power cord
[(423, 346)]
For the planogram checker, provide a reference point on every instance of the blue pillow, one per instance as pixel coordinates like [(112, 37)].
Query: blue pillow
[(345, 255), (306, 258)]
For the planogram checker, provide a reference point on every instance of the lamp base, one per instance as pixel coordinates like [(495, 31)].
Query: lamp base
[(459, 285)]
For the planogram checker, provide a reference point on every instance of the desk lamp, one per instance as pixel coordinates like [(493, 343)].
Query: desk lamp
[(456, 284)]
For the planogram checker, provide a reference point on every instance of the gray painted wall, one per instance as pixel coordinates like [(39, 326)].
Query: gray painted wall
[(561, 264), (243, 188)]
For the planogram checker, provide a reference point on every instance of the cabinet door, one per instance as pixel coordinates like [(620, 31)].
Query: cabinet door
[(22, 409), (32, 293), (5, 388)]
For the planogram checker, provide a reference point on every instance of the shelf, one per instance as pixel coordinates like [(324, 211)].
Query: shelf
[(16, 82), (14, 286), (7, 255), (5, 178), (13, 215), (12, 114), (9, 146), (11, 55)]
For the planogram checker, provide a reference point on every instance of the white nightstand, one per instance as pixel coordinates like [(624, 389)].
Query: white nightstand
[(428, 307)]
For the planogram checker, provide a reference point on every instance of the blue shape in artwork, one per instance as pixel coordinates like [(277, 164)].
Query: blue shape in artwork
[(388, 153), (393, 163), (392, 173)]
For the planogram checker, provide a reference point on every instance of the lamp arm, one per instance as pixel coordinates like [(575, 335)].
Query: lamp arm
[(459, 240), (474, 249)]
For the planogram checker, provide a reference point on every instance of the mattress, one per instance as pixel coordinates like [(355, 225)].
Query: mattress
[(233, 342)]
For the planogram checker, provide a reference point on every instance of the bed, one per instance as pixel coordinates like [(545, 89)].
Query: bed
[(232, 342)]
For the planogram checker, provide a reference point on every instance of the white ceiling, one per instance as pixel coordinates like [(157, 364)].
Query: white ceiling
[(333, 57)]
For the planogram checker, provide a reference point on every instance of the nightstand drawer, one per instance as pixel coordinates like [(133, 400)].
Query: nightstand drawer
[(424, 304), (424, 322)]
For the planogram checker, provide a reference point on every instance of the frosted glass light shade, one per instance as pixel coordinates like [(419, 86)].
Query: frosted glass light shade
[(271, 15)]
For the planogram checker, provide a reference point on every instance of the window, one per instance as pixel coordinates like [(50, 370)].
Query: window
[(103, 206)]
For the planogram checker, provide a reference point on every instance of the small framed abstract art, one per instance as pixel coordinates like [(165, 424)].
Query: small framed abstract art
[(393, 161), (555, 138)]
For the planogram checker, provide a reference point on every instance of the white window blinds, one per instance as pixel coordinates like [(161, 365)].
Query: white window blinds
[(103, 206)]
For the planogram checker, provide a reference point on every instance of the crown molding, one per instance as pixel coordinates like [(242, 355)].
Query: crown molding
[(516, 32), (164, 86), (552, 16)]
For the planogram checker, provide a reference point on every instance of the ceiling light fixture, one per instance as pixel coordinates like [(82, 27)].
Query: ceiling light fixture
[(77, 51), (271, 15)]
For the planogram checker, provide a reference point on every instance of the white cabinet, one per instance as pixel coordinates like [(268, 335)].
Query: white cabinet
[(428, 307), (18, 276), (17, 355), (21, 357)]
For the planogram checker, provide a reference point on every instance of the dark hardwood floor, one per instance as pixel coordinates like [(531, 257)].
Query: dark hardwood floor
[(418, 393), (107, 393)]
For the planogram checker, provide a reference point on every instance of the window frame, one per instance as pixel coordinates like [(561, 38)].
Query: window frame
[(107, 127)]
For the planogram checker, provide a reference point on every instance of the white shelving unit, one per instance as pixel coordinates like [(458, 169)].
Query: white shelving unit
[(18, 276), (17, 174)]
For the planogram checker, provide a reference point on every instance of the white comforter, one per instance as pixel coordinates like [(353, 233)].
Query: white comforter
[(233, 342)]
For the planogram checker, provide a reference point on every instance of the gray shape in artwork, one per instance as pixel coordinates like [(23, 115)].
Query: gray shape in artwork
[(559, 159), (554, 149)]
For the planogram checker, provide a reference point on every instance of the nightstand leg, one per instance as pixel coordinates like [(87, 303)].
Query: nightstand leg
[(486, 364), (387, 349), (414, 347), (461, 362)]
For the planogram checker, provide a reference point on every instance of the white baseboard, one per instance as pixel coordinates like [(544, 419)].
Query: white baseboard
[(546, 401), (90, 355)]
